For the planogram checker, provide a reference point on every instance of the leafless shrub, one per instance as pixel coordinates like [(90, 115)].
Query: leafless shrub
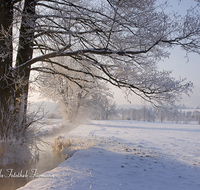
[(60, 144), (18, 141)]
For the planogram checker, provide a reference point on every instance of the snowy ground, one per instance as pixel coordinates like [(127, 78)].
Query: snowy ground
[(127, 155)]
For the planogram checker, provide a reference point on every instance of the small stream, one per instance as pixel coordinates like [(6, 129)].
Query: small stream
[(47, 161)]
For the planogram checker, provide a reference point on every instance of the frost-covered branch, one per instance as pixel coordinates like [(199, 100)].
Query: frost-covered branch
[(120, 40)]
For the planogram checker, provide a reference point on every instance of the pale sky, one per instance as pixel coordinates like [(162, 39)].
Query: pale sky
[(180, 66)]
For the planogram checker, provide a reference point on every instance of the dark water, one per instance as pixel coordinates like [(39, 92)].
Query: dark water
[(47, 161)]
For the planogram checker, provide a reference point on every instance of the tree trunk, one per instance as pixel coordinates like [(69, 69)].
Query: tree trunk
[(25, 53), (6, 82), (6, 16), (14, 86)]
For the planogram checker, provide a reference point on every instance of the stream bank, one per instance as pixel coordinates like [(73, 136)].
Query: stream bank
[(16, 176)]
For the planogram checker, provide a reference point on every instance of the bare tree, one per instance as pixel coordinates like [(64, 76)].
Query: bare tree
[(121, 39), (107, 109), (75, 103)]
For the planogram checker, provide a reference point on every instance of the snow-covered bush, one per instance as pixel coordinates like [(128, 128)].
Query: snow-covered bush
[(60, 144), (17, 139), (18, 151), (67, 145)]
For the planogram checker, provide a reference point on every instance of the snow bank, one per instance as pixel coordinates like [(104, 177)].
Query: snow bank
[(127, 155), (51, 126)]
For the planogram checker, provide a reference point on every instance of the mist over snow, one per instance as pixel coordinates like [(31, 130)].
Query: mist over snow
[(46, 106)]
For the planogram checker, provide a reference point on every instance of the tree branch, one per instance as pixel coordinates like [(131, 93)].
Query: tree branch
[(61, 53)]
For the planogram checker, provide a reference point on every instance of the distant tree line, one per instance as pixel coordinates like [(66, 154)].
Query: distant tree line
[(150, 114)]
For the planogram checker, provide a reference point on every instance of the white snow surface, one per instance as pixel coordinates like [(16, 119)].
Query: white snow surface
[(111, 155)]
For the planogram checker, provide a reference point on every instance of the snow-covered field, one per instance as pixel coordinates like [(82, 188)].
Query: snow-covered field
[(127, 155)]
